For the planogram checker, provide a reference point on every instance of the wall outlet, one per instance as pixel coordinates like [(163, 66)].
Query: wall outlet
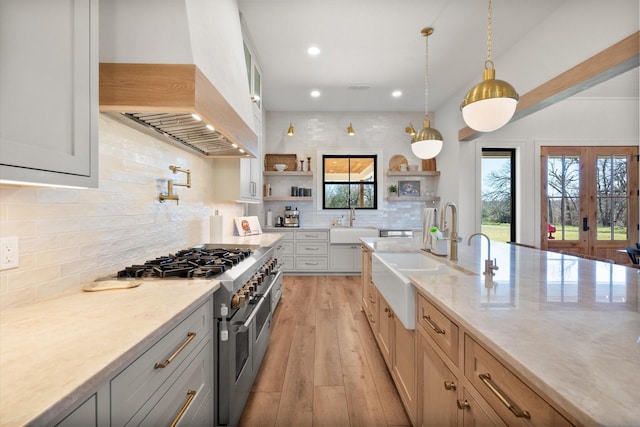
[(9, 254)]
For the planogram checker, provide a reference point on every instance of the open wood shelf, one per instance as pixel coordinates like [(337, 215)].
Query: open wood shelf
[(288, 199), (413, 173), (285, 173), (412, 199)]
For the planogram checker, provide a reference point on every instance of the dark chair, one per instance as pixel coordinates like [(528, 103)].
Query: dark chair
[(634, 255), (638, 245)]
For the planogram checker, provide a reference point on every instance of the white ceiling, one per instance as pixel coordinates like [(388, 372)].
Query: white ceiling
[(377, 44)]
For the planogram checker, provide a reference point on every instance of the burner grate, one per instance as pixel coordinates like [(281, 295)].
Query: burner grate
[(189, 263)]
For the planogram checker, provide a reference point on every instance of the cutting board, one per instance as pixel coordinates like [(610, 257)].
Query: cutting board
[(429, 165), (396, 161), (109, 285)]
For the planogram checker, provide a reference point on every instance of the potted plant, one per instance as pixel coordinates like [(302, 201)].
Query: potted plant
[(393, 190)]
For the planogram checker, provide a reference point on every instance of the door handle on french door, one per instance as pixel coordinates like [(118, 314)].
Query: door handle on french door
[(585, 224)]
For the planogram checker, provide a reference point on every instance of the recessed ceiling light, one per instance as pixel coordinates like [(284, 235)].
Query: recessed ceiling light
[(313, 51), (396, 93), (196, 117), (315, 93)]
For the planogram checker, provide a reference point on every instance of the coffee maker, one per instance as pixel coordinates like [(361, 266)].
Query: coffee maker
[(291, 217)]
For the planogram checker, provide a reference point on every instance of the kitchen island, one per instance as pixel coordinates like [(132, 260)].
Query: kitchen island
[(567, 327)]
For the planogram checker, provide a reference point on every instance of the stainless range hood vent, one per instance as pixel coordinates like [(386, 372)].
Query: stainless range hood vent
[(184, 129), (162, 99)]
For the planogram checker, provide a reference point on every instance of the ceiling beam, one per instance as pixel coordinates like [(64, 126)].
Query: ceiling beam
[(614, 60)]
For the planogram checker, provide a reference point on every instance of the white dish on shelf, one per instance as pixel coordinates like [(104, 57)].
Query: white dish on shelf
[(280, 167)]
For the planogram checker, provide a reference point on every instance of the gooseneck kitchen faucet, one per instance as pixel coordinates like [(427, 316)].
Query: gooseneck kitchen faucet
[(453, 252), (489, 265)]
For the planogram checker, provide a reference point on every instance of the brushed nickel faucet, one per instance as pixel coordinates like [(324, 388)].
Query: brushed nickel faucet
[(453, 251), (489, 265)]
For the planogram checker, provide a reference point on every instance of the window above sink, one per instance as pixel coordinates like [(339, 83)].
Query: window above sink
[(349, 181)]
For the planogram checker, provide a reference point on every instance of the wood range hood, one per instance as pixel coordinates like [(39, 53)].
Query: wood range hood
[(162, 99)]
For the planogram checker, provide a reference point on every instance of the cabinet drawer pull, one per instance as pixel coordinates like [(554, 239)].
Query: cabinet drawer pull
[(431, 323), (463, 404), (449, 385), (191, 394), (311, 235), (311, 263), (311, 249), (190, 337), (486, 379)]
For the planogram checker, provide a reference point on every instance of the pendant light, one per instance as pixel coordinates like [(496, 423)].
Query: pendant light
[(427, 142), (490, 104)]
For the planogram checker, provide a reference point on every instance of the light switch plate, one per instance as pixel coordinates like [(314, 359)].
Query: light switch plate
[(9, 254)]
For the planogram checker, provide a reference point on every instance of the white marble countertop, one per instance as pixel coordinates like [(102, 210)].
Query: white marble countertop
[(571, 326), (56, 351), (258, 240)]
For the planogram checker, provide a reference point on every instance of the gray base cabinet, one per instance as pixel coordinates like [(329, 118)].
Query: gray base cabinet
[(303, 251), (171, 381), (345, 258)]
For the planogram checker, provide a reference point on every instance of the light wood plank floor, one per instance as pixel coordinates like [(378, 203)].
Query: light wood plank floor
[(322, 367)]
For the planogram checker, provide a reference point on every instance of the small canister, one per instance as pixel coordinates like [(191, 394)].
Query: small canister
[(294, 191)]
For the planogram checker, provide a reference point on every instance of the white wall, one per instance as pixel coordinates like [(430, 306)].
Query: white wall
[(577, 31), (381, 133), (69, 237)]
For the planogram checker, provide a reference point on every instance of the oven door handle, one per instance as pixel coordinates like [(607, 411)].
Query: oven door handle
[(243, 327)]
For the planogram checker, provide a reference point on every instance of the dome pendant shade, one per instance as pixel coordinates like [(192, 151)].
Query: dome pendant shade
[(427, 143), (490, 104)]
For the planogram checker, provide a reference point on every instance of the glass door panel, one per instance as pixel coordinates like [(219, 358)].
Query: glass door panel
[(611, 198), (563, 197)]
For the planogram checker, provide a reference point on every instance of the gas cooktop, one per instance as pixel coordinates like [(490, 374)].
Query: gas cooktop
[(199, 262)]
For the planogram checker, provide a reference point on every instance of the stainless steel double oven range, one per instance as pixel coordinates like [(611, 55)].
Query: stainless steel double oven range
[(251, 286), (243, 307)]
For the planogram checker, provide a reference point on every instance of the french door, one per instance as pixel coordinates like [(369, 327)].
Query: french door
[(589, 200)]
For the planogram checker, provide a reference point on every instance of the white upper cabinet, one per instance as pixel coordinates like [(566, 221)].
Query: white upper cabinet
[(254, 77), (240, 180), (49, 92)]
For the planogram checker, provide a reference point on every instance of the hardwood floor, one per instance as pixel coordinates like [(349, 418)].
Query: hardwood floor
[(322, 367)]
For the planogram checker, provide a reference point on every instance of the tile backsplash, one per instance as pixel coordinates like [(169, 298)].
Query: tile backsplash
[(69, 237)]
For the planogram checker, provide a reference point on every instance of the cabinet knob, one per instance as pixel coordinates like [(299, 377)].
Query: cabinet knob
[(463, 404), (449, 385)]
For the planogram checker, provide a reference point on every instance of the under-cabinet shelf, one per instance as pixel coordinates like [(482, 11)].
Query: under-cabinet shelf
[(285, 173), (288, 199), (412, 199), (413, 173)]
